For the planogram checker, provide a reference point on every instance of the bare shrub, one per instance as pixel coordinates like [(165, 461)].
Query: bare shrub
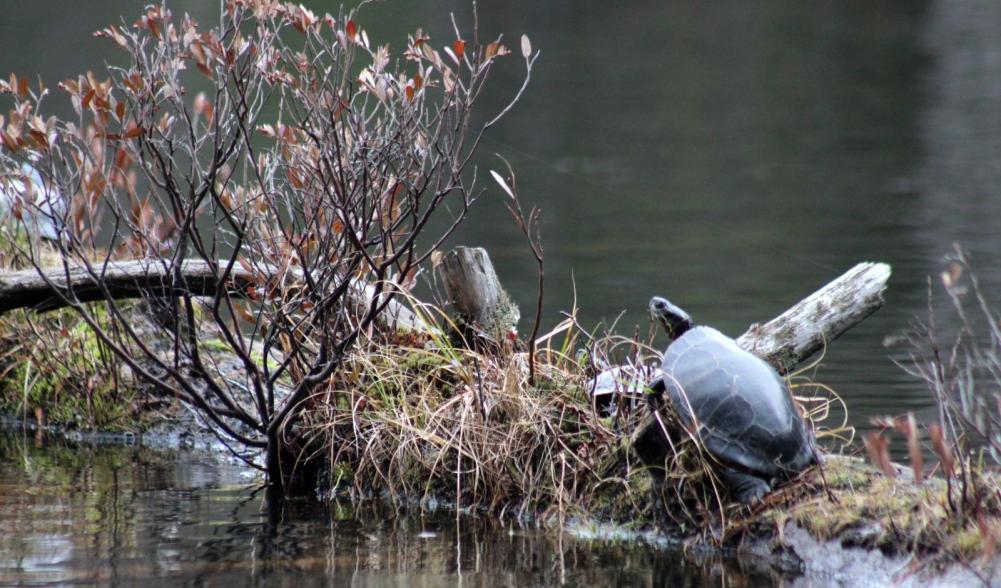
[(311, 167), (962, 371)]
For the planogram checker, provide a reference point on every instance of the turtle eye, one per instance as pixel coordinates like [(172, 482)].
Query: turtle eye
[(660, 305)]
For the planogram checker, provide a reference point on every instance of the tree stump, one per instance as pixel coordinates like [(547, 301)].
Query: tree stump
[(478, 301)]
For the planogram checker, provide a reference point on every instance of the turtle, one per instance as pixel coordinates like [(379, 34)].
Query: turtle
[(739, 404)]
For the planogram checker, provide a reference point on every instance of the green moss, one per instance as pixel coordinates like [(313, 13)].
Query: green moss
[(342, 511), (222, 349), (895, 515), (504, 317), (67, 373), (215, 345), (967, 543), (862, 499), (824, 519), (848, 475), (341, 476), (420, 361)]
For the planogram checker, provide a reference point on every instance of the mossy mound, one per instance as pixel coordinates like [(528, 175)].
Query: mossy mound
[(862, 507), (56, 370)]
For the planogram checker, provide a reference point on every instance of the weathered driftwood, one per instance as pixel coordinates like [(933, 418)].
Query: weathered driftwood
[(478, 300), (820, 318), (122, 279), (154, 277)]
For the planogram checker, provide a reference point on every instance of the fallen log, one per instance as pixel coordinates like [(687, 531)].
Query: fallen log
[(820, 318), (472, 286), (153, 277)]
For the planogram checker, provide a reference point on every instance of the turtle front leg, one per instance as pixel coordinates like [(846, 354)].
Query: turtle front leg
[(747, 488), (652, 443), (655, 392)]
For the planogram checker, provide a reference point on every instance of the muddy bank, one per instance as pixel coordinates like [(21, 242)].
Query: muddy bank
[(870, 530), (431, 411)]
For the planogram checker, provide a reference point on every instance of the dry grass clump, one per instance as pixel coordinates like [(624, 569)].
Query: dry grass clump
[(427, 419), (55, 370)]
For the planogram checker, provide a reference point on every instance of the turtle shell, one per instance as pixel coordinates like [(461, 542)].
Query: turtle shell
[(743, 407)]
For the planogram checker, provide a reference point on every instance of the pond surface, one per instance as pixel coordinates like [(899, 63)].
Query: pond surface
[(731, 156), (122, 516)]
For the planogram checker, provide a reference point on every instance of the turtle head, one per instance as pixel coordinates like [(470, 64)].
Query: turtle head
[(674, 320)]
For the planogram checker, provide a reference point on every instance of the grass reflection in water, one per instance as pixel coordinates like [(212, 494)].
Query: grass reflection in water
[(112, 515)]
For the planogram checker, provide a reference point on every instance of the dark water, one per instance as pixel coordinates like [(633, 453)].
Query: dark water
[(732, 156), (124, 516)]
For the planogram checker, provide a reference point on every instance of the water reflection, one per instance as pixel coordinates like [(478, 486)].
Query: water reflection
[(119, 516)]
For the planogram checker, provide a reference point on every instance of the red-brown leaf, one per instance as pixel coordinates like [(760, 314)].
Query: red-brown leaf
[(459, 46), (243, 312), (293, 177), (153, 27), (941, 448), (351, 29), (877, 446), (121, 159), (908, 428), (495, 49)]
